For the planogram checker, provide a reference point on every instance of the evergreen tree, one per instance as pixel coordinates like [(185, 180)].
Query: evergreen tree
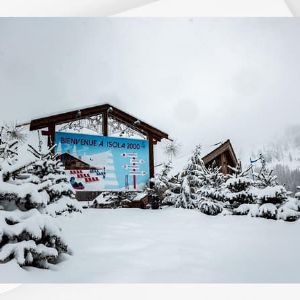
[(269, 195), (48, 173), (238, 188), (190, 181), (212, 183), (160, 185), (27, 235), (210, 192)]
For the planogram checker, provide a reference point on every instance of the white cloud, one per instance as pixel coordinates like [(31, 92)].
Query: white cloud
[(201, 80)]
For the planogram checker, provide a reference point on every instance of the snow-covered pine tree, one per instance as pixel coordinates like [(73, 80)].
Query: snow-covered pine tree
[(238, 190), (28, 236), (269, 195), (159, 185), (190, 181), (173, 192), (210, 193), (32, 238), (290, 210), (49, 174)]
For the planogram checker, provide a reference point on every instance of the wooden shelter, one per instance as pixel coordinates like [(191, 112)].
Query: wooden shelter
[(223, 156), (105, 112)]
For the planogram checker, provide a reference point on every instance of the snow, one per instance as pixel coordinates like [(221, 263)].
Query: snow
[(170, 245), (139, 196), (31, 221), (267, 208), (286, 213), (267, 192), (290, 210), (21, 191), (62, 206), (243, 209), (239, 180), (105, 199), (19, 249)]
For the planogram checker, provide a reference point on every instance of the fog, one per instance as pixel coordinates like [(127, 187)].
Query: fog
[(200, 80)]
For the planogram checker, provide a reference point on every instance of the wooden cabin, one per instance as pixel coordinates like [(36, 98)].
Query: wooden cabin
[(73, 163), (223, 156)]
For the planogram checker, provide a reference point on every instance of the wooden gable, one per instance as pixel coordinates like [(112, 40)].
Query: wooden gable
[(223, 156)]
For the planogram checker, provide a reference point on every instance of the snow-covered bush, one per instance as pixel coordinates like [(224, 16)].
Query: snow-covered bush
[(270, 194), (290, 210), (107, 200), (121, 199), (210, 207), (243, 209), (268, 211), (31, 238)]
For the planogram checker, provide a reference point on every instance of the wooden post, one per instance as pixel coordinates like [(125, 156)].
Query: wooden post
[(105, 124), (51, 134), (152, 200), (151, 156)]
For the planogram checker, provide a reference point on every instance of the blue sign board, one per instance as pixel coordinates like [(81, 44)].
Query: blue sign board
[(102, 163)]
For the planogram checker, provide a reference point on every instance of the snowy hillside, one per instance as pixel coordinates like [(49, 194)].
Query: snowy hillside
[(283, 156)]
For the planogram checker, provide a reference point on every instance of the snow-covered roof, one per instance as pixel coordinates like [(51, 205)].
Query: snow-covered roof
[(226, 146)]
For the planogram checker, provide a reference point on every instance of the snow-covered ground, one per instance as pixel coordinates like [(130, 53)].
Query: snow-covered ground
[(170, 245)]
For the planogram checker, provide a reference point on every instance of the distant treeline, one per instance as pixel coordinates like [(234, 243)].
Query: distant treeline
[(290, 178)]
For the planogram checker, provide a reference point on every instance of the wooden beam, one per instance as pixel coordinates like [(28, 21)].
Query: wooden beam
[(146, 128), (45, 132), (132, 126), (105, 123), (96, 110), (224, 163), (67, 117)]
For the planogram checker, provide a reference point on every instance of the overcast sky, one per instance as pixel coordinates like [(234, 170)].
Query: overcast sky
[(200, 80)]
